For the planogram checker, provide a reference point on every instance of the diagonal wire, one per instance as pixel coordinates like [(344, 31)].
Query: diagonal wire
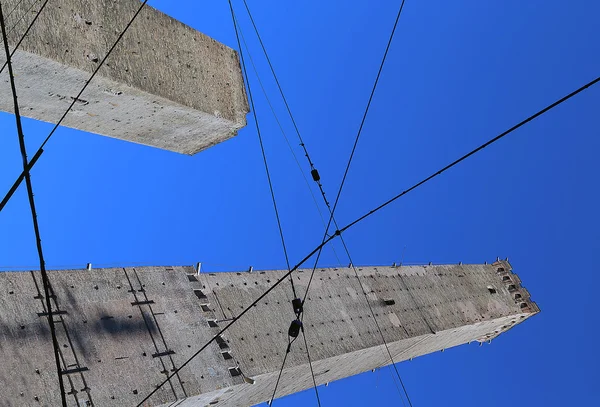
[(338, 231), (377, 325), (262, 148), (27, 30), (312, 372), (286, 138), (14, 9), (363, 217), (33, 211), (469, 154), (56, 126), (100, 65), (274, 204), (287, 352), (235, 319), (37, 155), (11, 29)]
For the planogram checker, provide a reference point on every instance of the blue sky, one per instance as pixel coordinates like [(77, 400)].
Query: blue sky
[(457, 75)]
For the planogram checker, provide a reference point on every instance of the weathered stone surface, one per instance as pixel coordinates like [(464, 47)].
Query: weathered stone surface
[(165, 84), (117, 323)]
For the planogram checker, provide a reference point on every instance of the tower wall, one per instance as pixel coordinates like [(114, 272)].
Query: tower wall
[(165, 85), (121, 331)]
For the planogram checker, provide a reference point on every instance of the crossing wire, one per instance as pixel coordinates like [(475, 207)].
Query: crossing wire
[(27, 30), (15, 8), (289, 346), (285, 136), (10, 30), (287, 351), (37, 155), (368, 214), (62, 118), (469, 154), (317, 178), (338, 231), (262, 147), (32, 207)]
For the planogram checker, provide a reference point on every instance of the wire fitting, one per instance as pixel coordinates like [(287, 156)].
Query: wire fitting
[(295, 328), (315, 175), (298, 306)]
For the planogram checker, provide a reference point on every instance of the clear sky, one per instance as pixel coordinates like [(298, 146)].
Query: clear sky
[(458, 74)]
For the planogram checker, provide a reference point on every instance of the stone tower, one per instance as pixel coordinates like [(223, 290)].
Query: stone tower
[(165, 84), (122, 331)]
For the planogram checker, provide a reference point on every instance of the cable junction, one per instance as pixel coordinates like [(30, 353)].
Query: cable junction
[(38, 239), (317, 178), (75, 99), (296, 325), (370, 213)]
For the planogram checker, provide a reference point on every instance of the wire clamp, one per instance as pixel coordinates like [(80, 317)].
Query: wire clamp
[(295, 328), (298, 306)]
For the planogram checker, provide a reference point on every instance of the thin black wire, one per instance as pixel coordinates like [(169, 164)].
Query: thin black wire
[(11, 29), (287, 106), (337, 198), (332, 211), (76, 98), (33, 211), (262, 148), (15, 186), (287, 352), (311, 163), (464, 157), (26, 32), (274, 204), (235, 319), (312, 372), (363, 217), (40, 149), (377, 325), (37, 155), (15, 8), (286, 139)]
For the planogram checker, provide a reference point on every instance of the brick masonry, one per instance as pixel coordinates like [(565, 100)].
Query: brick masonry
[(121, 331)]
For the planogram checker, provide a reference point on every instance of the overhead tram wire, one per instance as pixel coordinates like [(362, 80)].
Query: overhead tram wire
[(139, 10), (370, 213), (57, 125), (285, 136), (27, 30), (337, 198), (362, 288), (288, 349), (262, 147), (316, 177), (32, 207), (10, 30), (235, 319), (14, 9), (472, 152), (37, 155), (312, 166), (287, 352)]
